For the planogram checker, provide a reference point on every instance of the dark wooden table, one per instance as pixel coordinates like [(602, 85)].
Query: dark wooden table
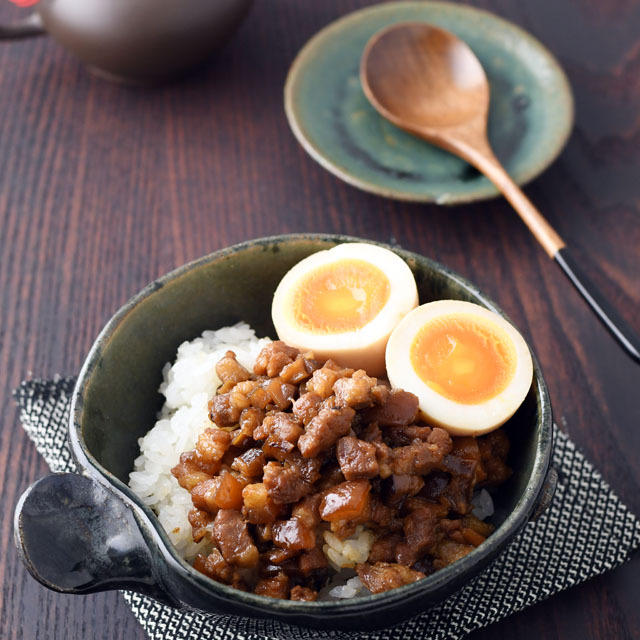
[(103, 188)]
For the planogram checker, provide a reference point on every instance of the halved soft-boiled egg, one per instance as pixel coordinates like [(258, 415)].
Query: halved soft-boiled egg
[(343, 303), (469, 367)]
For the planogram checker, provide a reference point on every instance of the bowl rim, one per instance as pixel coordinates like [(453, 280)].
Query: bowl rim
[(155, 534)]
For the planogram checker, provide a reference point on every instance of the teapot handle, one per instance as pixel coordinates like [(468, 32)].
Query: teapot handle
[(76, 536), (26, 28)]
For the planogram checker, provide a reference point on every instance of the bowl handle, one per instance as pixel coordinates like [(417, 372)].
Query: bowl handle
[(546, 494), (76, 536), (26, 28)]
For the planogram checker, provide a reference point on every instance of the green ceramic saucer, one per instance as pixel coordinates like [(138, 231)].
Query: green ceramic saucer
[(530, 117)]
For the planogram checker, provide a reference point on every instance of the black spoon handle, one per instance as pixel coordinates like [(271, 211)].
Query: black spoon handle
[(621, 331)]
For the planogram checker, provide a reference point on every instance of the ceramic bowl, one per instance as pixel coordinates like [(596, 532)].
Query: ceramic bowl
[(85, 533)]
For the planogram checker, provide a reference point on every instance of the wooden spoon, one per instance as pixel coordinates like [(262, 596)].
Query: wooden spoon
[(428, 82)]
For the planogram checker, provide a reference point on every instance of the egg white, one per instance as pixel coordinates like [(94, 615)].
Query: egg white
[(457, 418), (361, 348)]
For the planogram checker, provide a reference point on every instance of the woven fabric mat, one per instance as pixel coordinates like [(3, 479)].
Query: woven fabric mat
[(585, 531)]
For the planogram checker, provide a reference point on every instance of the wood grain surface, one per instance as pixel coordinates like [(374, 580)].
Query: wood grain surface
[(103, 188)]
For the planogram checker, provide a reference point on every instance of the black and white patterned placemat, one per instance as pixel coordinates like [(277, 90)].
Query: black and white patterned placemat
[(586, 531)]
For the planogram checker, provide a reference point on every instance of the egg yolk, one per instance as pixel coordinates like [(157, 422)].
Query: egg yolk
[(340, 297), (463, 358)]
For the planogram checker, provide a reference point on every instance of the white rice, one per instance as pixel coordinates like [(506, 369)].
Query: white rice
[(343, 584), (351, 588), (482, 504), (187, 385), (349, 552)]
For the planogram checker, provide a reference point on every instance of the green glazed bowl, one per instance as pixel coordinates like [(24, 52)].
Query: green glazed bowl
[(530, 115), (79, 534)]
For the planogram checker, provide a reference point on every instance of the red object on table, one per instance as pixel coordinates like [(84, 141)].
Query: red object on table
[(24, 3)]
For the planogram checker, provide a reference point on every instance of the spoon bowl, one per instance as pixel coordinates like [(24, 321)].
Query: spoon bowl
[(440, 84)]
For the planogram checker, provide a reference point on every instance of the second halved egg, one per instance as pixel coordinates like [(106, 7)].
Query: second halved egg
[(469, 367), (343, 303)]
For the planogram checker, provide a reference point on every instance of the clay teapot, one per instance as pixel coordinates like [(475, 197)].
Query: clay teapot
[(139, 41)]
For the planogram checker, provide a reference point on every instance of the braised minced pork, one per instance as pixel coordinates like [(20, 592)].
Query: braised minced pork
[(300, 447)]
